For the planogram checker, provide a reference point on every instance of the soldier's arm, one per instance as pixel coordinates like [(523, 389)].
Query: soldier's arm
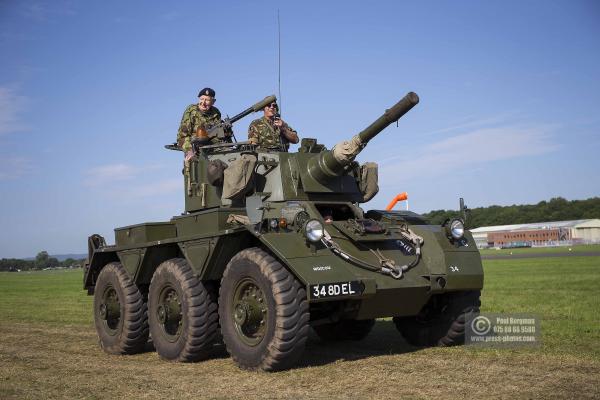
[(253, 134), (184, 135), (290, 133)]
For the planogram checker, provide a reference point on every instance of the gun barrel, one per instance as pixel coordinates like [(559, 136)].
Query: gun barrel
[(263, 103), (256, 107), (332, 163), (390, 116)]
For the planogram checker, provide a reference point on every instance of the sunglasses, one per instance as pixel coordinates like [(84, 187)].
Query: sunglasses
[(272, 105)]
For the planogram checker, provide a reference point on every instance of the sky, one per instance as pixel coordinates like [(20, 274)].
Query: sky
[(90, 92)]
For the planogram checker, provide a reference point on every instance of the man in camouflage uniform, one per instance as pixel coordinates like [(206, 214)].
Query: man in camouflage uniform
[(270, 131), (195, 121)]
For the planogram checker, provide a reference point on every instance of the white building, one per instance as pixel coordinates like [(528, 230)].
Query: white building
[(539, 233)]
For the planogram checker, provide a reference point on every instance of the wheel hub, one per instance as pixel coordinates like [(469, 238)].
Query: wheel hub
[(250, 312), (109, 310), (168, 313), (103, 311), (162, 314), (241, 314)]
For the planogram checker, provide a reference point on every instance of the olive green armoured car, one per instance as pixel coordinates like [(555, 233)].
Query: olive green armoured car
[(272, 244)]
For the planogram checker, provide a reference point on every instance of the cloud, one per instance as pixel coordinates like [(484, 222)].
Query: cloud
[(116, 173), (11, 105), (471, 150), (470, 123), (42, 12), (154, 189), (126, 192), (110, 173), (121, 20), (35, 11), (13, 167), (170, 16), (116, 178)]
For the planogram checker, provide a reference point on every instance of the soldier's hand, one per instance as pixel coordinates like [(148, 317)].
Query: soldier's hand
[(189, 155), (278, 122)]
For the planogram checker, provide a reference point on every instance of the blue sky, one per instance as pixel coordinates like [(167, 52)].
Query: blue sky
[(91, 91)]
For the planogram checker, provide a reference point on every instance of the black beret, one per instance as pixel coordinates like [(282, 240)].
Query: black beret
[(207, 92)]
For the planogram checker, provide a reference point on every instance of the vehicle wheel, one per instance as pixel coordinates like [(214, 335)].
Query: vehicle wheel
[(346, 329), (263, 312), (120, 313), (184, 321), (441, 324)]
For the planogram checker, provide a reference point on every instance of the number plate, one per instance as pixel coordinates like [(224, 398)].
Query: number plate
[(339, 289)]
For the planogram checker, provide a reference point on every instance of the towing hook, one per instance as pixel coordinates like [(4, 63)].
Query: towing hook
[(397, 273), (394, 272)]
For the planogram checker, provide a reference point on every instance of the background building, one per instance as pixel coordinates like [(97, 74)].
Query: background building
[(538, 234)]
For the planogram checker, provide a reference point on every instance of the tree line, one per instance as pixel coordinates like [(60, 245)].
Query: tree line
[(556, 209), (42, 261)]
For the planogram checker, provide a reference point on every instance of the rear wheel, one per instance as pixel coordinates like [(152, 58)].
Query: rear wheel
[(120, 313), (183, 313), (263, 312), (346, 329), (442, 321)]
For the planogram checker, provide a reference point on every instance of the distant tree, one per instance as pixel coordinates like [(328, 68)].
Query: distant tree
[(53, 262), (6, 264), (41, 260), (556, 209), (68, 262)]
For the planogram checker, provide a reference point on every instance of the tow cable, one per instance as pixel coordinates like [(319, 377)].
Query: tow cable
[(387, 266)]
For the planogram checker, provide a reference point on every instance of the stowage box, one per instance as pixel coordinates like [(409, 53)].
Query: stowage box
[(143, 233)]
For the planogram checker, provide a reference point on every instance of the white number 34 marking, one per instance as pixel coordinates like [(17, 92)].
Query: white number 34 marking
[(454, 268)]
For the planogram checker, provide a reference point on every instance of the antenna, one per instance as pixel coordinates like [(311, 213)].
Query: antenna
[(279, 61)]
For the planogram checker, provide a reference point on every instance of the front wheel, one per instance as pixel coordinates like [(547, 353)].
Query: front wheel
[(442, 321), (120, 313), (263, 312)]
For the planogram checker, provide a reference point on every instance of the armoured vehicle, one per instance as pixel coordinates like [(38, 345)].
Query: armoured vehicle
[(272, 244)]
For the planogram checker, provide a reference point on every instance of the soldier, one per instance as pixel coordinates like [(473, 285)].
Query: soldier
[(196, 119), (271, 131)]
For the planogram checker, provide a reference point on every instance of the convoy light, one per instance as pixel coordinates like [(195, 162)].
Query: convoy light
[(457, 228), (313, 230)]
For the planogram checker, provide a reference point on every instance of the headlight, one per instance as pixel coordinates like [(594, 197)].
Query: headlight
[(313, 230), (457, 229)]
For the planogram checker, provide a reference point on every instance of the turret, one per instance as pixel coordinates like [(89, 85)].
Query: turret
[(224, 174), (332, 163)]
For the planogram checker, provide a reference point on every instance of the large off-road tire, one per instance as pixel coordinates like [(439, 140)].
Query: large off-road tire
[(346, 329), (183, 313), (442, 325), (120, 313), (263, 312)]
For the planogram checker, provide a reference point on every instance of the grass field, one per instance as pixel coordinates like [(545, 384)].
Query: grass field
[(48, 348), (587, 248)]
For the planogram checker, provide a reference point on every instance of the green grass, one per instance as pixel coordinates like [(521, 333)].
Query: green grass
[(542, 250), (49, 349), (51, 297), (563, 291)]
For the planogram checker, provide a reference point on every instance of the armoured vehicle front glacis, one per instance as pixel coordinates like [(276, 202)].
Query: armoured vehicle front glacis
[(273, 243)]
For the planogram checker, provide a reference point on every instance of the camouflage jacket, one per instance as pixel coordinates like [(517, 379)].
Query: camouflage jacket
[(262, 132), (193, 119)]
